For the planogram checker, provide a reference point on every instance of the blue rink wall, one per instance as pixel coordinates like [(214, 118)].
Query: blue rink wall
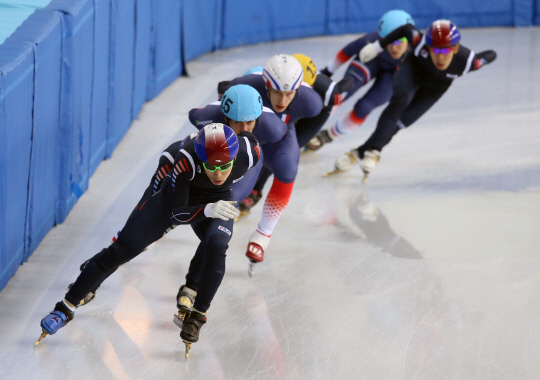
[(76, 73)]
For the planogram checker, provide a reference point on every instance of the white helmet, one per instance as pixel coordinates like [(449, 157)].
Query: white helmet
[(283, 72)]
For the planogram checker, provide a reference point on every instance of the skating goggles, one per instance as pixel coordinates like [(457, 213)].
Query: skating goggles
[(398, 41), (443, 51), (213, 168)]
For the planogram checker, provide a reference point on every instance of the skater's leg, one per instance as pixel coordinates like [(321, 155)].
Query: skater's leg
[(216, 235), (405, 83), (307, 128), (148, 224), (378, 94), (263, 177), (423, 100), (283, 160)]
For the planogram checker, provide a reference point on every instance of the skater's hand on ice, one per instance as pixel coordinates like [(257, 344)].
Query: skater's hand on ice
[(370, 51), (224, 210)]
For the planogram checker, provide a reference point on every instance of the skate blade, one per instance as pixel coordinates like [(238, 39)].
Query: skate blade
[(43, 335), (335, 171), (179, 319), (188, 346), (242, 215), (251, 268), (364, 180)]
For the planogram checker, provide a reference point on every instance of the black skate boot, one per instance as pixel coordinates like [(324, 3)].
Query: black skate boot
[(56, 319), (192, 326), (316, 143), (184, 301), (246, 205)]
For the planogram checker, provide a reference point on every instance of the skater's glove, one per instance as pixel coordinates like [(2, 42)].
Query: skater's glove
[(370, 51), (224, 210)]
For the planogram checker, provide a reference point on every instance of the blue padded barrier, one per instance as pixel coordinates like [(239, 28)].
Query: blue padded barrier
[(246, 22), (303, 18), (201, 27), (76, 100), (522, 12), (143, 25), (356, 17), (43, 30), (165, 45), (100, 90), (121, 70), (16, 98)]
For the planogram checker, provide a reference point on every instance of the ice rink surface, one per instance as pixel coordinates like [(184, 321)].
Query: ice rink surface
[(429, 271)]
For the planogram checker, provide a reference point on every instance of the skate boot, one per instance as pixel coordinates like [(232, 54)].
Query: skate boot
[(90, 296), (246, 205), (345, 162), (192, 326), (255, 250), (184, 301), (56, 319), (323, 137), (370, 160)]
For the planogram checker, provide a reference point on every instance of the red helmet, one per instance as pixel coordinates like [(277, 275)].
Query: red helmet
[(442, 33)]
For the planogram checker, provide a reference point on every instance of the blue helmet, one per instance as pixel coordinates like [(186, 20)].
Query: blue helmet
[(216, 144), (392, 20), (254, 70), (241, 103)]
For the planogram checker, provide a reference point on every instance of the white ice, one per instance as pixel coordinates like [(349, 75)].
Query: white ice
[(429, 271)]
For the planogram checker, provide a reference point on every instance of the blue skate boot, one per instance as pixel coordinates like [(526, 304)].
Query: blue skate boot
[(57, 319)]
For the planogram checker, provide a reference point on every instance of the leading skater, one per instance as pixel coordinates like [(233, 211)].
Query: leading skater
[(420, 81), (379, 71), (197, 191)]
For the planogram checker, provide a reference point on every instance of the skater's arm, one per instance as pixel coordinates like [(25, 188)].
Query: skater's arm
[(344, 55), (483, 58), (252, 151), (166, 161), (177, 192)]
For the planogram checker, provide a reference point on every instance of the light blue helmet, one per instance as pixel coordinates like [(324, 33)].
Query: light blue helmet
[(254, 70), (392, 20), (241, 103)]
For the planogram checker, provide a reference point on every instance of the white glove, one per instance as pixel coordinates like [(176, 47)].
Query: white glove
[(370, 51), (224, 210)]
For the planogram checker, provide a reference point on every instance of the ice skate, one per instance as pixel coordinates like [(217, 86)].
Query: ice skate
[(370, 160), (191, 328), (184, 301), (246, 205), (56, 319), (345, 162), (255, 250), (242, 213), (316, 143)]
